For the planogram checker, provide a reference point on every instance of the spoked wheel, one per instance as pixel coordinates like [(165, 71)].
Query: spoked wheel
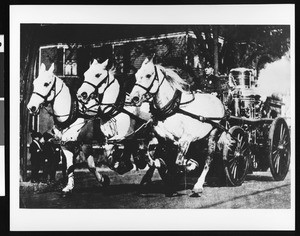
[(236, 157), (280, 149)]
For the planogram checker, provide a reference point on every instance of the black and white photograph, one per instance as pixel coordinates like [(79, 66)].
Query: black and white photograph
[(131, 122)]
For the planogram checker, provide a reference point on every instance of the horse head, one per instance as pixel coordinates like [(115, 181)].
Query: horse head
[(147, 82), (95, 81), (43, 89)]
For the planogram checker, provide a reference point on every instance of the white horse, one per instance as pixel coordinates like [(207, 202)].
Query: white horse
[(179, 124), (98, 81), (69, 128)]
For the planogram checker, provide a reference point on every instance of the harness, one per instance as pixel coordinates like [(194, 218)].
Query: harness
[(53, 88), (168, 110), (96, 87), (151, 95), (73, 110), (112, 109), (171, 107)]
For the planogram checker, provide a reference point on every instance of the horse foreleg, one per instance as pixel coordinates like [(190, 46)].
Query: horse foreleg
[(87, 152), (183, 147), (70, 171), (198, 187), (147, 177), (101, 178), (63, 165), (157, 163)]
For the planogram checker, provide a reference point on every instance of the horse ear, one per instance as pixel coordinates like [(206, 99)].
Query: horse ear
[(94, 62), (42, 67), (105, 63), (151, 60), (51, 68), (145, 61)]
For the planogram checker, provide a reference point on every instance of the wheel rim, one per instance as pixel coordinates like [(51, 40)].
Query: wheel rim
[(280, 150), (237, 159)]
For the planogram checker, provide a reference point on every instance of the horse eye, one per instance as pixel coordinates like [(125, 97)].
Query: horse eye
[(148, 76), (46, 84), (97, 75)]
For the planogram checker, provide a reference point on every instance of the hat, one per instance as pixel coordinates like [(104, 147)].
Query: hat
[(47, 136), (36, 134)]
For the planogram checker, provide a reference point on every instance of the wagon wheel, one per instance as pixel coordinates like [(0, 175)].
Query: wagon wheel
[(279, 149), (236, 158)]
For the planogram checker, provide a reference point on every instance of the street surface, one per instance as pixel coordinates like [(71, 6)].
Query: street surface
[(259, 191)]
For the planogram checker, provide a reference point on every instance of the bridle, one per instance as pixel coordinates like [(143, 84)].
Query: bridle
[(97, 99), (45, 97), (53, 88), (96, 87), (150, 95)]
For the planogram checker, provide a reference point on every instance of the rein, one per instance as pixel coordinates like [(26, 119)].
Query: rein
[(52, 89), (96, 87), (171, 107), (73, 110), (55, 95)]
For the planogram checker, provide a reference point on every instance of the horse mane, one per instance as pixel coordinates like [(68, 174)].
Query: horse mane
[(112, 70), (174, 79)]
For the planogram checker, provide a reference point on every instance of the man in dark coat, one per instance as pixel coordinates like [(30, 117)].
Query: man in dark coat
[(211, 83), (36, 157), (51, 157)]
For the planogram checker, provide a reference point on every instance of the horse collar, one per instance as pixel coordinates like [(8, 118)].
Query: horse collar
[(161, 113)]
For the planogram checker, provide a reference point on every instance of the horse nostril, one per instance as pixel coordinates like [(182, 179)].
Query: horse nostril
[(84, 95), (93, 95), (33, 109), (135, 100)]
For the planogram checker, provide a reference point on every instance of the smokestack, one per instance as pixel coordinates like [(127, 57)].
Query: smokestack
[(275, 80)]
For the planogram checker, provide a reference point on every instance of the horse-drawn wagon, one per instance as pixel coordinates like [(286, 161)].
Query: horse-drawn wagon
[(242, 135), (267, 133)]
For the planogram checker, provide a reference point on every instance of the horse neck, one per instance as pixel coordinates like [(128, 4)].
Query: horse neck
[(62, 102), (165, 92), (111, 94)]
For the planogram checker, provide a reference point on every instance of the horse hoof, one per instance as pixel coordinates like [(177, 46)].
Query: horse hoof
[(146, 183), (105, 181), (197, 192), (194, 194), (169, 194), (66, 193), (175, 194)]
